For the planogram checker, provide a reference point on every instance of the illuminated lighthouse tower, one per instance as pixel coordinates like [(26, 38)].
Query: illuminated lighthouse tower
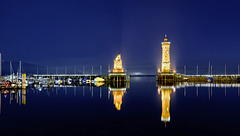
[(165, 56), (165, 75)]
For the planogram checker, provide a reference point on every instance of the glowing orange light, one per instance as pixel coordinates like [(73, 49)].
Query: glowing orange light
[(118, 64), (166, 105), (165, 55), (117, 96)]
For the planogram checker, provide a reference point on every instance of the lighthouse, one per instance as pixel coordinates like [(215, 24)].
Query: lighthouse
[(165, 75), (165, 66)]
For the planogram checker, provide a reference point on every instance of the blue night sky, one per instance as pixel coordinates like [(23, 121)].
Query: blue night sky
[(92, 32)]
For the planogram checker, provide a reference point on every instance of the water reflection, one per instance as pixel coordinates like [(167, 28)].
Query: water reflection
[(117, 90), (118, 94), (18, 95), (165, 92), (24, 99)]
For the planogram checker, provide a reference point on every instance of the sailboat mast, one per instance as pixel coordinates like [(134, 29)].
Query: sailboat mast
[(209, 72), (20, 69), (10, 68)]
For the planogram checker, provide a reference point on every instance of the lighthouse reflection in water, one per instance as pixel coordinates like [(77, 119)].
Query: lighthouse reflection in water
[(118, 90), (165, 92)]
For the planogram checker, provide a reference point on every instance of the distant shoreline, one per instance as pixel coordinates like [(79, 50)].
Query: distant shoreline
[(142, 75)]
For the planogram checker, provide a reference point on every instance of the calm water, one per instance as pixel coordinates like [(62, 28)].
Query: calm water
[(142, 109)]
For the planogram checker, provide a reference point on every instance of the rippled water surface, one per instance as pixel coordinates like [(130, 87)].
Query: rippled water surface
[(142, 108)]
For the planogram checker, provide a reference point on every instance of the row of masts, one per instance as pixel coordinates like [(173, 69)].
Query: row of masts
[(210, 69), (75, 70), (11, 68)]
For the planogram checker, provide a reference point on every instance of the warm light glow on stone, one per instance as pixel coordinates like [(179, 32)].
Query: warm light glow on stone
[(118, 64), (166, 55)]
